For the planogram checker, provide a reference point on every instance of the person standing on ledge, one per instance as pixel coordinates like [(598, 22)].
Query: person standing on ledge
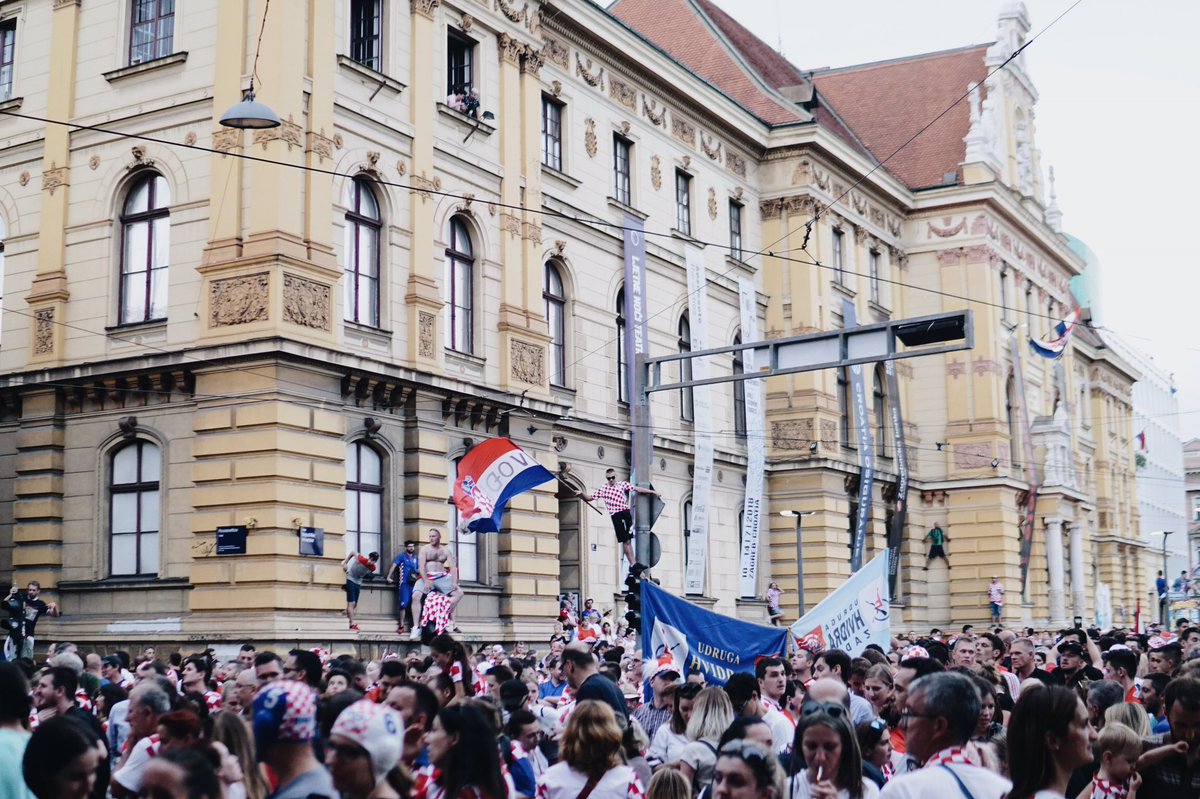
[(995, 593), (936, 538), (616, 502)]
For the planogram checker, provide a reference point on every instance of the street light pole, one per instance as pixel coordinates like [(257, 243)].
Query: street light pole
[(1165, 601), (799, 514)]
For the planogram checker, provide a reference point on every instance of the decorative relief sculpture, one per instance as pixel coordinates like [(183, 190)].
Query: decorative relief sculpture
[(653, 113), (54, 177), (683, 130), (735, 164), (528, 362), (623, 93), (532, 231), (948, 229), (425, 186), (139, 157), (557, 54), (238, 300), (425, 8), (712, 203), (510, 49), (510, 224), (589, 137), (305, 302), (596, 80), (94, 162), (288, 131), (655, 172), (972, 456), (506, 8), (426, 322), (792, 434), (710, 147), (320, 144), (556, 87), (43, 331)]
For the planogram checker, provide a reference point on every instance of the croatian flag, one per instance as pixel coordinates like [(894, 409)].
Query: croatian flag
[(1054, 346), (489, 476), (1141, 439)]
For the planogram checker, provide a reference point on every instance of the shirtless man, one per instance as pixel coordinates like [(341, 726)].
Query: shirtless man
[(437, 569)]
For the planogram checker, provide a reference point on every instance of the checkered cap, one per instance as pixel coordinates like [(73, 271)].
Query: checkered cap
[(285, 711), (377, 729), (915, 652)]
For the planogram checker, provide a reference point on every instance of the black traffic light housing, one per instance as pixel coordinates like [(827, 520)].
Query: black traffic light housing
[(633, 598)]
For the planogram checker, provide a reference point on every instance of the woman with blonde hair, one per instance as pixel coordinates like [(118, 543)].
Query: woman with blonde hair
[(668, 783), (592, 759), (1132, 715), (230, 730), (712, 713)]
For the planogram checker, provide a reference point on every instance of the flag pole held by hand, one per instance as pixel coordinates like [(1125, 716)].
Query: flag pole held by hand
[(566, 469)]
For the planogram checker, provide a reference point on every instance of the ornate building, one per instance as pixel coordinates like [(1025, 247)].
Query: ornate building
[(306, 326)]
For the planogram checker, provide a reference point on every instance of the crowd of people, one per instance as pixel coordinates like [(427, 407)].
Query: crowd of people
[(986, 715)]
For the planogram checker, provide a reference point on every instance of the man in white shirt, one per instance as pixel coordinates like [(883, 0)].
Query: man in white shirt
[(772, 683), (147, 702), (939, 718)]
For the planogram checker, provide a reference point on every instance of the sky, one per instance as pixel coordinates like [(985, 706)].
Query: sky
[(1117, 117)]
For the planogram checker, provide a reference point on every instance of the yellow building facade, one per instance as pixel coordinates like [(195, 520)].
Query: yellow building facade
[(306, 326)]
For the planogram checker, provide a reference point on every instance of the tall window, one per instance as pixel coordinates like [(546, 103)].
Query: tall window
[(879, 398), (735, 230), (873, 266), (8, 41), (364, 498), (622, 377), (687, 410), (145, 250), (151, 30), (134, 495), (1004, 310), (622, 148), (552, 133), (363, 228), (843, 400), (683, 202), (839, 241), (460, 279), (365, 35), (462, 541), (460, 63), (556, 318), (739, 392)]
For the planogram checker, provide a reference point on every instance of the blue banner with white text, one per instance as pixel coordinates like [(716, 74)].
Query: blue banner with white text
[(693, 638)]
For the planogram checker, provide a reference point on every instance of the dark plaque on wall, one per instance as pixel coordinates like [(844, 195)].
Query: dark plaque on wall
[(312, 541), (231, 540)]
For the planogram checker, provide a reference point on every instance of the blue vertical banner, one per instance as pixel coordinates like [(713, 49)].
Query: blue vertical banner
[(694, 638), (866, 449), (636, 343), (895, 532)]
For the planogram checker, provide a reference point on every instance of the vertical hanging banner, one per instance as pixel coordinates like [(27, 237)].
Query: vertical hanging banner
[(1027, 518), (697, 545), (636, 343), (866, 450), (755, 444), (896, 531)]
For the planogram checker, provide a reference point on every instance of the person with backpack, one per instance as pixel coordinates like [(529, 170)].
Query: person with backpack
[(711, 716)]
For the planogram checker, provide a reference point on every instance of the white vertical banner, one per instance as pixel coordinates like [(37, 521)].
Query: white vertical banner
[(756, 444), (697, 544)]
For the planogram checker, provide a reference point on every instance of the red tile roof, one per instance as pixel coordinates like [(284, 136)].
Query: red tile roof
[(706, 46), (887, 102)]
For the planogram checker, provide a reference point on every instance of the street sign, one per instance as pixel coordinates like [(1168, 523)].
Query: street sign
[(312, 541), (231, 540)]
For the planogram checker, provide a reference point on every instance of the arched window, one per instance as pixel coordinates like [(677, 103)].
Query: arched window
[(556, 320), (460, 288), (463, 542), (145, 250), (622, 377), (1012, 414), (134, 502), (739, 392), (881, 412), (687, 410), (843, 400), (363, 226), (364, 498)]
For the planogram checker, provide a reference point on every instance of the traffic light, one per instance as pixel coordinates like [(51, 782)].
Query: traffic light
[(633, 601)]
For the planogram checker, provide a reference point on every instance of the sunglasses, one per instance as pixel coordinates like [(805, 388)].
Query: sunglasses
[(831, 709), (879, 725), (746, 750)]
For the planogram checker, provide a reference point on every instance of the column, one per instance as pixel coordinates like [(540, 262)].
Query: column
[(1054, 565), (37, 532), (1078, 578)]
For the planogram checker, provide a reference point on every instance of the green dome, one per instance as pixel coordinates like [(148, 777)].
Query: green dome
[(1086, 286)]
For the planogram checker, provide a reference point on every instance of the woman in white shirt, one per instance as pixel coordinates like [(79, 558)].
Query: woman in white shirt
[(711, 715), (828, 749), (592, 762), (671, 738)]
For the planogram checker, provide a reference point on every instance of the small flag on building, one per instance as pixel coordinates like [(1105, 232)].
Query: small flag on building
[(1055, 344), (1141, 439), (1174, 390), (489, 476)]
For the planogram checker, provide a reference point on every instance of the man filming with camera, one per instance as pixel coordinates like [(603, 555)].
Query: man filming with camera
[(24, 609)]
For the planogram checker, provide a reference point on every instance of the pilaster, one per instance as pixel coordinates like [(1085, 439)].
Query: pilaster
[(38, 489), (1054, 565), (1078, 575)]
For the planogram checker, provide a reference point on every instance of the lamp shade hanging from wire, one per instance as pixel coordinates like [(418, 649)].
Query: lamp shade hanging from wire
[(250, 113)]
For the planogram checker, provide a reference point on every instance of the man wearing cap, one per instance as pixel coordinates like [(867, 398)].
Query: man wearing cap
[(110, 671), (285, 724), (1164, 656), (995, 593), (363, 730), (1073, 666), (653, 714)]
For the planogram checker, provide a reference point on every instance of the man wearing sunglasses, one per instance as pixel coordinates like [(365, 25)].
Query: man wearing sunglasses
[(616, 501), (939, 719)]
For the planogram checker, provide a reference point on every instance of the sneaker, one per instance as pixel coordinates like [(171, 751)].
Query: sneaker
[(401, 631), (415, 635), (354, 627)]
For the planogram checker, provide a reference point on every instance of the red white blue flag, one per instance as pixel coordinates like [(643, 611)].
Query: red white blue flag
[(489, 476), (1055, 344)]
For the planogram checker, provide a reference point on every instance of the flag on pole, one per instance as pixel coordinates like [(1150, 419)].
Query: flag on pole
[(1141, 439), (1055, 344), (489, 476), (856, 614)]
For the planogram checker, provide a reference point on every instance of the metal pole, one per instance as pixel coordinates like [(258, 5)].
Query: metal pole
[(799, 566), (1166, 599), (642, 439)]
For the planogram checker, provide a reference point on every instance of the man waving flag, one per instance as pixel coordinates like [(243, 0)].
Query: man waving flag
[(489, 476)]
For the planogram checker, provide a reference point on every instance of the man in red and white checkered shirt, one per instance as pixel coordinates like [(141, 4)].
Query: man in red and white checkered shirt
[(616, 502)]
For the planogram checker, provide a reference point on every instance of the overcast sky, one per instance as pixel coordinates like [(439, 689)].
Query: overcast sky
[(1117, 118)]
